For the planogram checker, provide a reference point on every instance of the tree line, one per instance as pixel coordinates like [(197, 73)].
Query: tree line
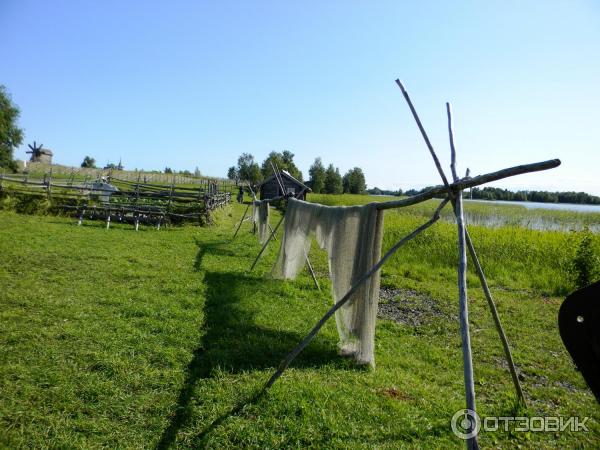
[(321, 179), (492, 193)]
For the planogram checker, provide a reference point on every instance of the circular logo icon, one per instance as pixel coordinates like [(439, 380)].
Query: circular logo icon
[(465, 423)]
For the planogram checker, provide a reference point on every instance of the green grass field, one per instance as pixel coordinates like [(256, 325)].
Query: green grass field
[(117, 339)]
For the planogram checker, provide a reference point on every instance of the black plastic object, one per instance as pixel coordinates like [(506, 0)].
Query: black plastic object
[(579, 325)]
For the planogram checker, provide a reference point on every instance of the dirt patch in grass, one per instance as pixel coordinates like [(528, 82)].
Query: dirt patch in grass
[(407, 307), (396, 394)]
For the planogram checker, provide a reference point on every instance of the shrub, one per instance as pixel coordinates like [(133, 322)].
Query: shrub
[(585, 263)]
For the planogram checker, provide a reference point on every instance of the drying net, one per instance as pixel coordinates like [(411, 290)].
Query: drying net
[(263, 222), (260, 217), (255, 213), (352, 238)]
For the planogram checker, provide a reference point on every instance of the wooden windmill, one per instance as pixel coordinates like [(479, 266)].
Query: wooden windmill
[(39, 154), (36, 151)]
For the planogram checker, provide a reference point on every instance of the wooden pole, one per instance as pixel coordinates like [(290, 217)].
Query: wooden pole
[(252, 191), (81, 216), (482, 278), (241, 221), (488, 297), (137, 197), (425, 137), (266, 243), (311, 271), (200, 203), (49, 185), (311, 335), (463, 308), (170, 198), (472, 182), (271, 230), (277, 178)]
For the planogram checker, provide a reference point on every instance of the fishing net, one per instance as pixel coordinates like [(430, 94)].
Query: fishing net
[(263, 222), (352, 238)]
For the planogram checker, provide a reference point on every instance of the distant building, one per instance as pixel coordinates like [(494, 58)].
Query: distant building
[(42, 155), (270, 188)]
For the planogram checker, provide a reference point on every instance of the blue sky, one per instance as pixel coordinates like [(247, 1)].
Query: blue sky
[(186, 84)]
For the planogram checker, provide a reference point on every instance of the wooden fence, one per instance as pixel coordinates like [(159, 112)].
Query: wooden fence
[(39, 169), (119, 199)]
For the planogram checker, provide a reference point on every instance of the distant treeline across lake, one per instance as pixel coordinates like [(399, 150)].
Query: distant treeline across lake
[(499, 213), (582, 208), (492, 193)]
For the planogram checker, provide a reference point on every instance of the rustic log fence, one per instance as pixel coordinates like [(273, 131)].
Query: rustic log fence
[(39, 168), (122, 200)]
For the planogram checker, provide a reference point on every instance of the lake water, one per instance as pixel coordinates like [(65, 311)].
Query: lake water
[(536, 216), (536, 205)]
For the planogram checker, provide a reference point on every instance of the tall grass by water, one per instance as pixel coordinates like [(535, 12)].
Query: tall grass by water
[(512, 255)]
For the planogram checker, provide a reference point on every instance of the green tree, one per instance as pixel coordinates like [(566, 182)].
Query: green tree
[(11, 136), (168, 170), (317, 176), (354, 181), (333, 180), (248, 169), (254, 175), (282, 161), (232, 173), (290, 166), (89, 162)]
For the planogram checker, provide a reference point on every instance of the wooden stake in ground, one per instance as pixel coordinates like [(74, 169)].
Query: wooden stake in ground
[(463, 307), (241, 221), (266, 243), (49, 185), (81, 216), (482, 279)]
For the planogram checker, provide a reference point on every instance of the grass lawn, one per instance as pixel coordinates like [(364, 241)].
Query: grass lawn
[(117, 339)]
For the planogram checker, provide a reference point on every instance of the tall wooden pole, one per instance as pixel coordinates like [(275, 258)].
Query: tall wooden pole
[(266, 243), (49, 185), (463, 307), (488, 295), (241, 221)]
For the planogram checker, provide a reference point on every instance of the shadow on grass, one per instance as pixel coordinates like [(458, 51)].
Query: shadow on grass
[(214, 248), (234, 343)]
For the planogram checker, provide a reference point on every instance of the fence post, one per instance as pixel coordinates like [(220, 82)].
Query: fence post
[(81, 216), (170, 197), (49, 185), (135, 203)]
